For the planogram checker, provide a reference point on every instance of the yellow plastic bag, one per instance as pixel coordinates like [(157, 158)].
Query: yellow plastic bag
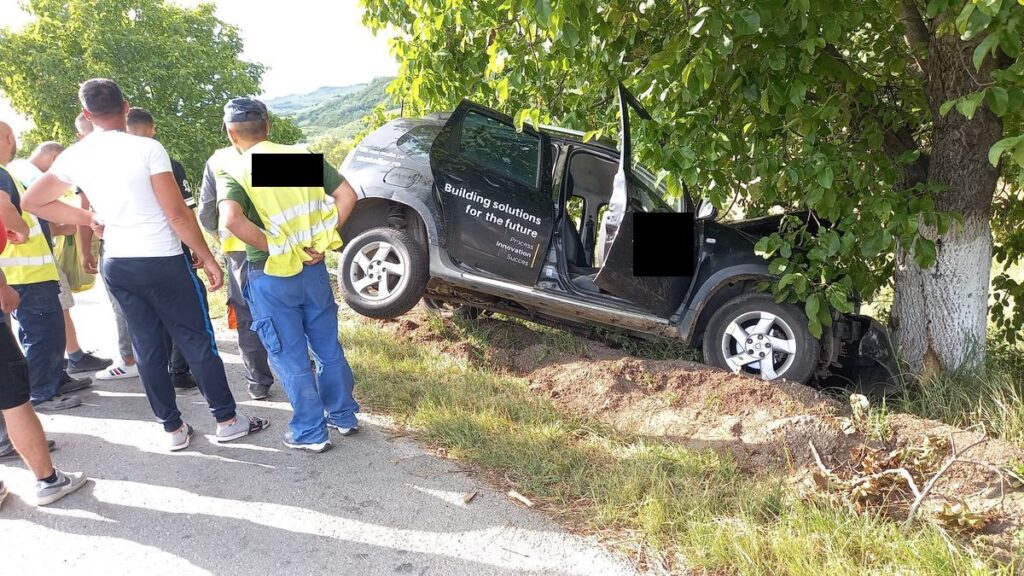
[(66, 255)]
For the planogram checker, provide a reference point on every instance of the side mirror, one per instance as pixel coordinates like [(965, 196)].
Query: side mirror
[(706, 210)]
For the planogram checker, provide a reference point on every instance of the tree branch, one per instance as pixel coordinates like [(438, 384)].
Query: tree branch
[(915, 31)]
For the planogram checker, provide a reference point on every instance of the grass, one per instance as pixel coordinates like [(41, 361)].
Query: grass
[(992, 395), (683, 508)]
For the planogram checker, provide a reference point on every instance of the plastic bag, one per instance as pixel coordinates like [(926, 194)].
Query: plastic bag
[(67, 256)]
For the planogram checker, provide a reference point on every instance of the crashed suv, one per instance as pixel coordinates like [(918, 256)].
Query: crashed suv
[(463, 210)]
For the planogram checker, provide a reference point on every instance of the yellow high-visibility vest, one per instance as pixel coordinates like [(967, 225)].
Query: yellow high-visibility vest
[(295, 218), (226, 160), (31, 262)]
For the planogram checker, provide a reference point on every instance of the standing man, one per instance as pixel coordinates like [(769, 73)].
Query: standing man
[(141, 123), (254, 355), (32, 273), (287, 230), (15, 407), (28, 171), (141, 216), (127, 368)]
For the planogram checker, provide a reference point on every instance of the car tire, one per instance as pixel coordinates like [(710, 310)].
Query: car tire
[(384, 272), (751, 327)]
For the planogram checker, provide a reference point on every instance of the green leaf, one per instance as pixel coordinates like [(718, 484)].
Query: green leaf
[(924, 252), (968, 105), (983, 48), (999, 100), (999, 147), (811, 306), (543, 8), (502, 90), (746, 22), (824, 177), (946, 107), (777, 60), (592, 135)]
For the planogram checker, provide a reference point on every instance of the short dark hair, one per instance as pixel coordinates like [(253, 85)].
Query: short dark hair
[(101, 96), (250, 129), (138, 115), (49, 147)]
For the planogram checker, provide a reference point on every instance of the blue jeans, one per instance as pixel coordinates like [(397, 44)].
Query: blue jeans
[(41, 331), (294, 317), (160, 297)]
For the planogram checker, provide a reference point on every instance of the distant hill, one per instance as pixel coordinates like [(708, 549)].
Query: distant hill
[(288, 105), (333, 111)]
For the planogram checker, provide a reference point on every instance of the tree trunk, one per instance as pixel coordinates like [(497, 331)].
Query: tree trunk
[(940, 313)]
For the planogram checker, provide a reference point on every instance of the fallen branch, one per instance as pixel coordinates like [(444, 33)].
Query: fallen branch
[(897, 471), (953, 457)]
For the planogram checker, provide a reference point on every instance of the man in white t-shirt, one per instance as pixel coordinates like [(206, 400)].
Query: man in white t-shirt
[(143, 220)]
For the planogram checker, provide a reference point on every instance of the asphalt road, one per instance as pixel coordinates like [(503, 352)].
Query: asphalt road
[(376, 504)]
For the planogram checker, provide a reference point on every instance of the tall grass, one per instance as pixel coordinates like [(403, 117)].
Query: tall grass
[(685, 509), (992, 395)]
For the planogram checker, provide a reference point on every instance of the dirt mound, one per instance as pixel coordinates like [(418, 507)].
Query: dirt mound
[(765, 426)]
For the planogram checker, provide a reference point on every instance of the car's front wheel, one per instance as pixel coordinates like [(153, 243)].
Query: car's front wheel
[(752, 334), (384, 272)]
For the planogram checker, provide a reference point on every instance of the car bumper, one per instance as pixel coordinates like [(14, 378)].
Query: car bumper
[(868, 356)]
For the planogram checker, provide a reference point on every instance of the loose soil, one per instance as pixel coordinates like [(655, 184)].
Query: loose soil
[(767, 427)]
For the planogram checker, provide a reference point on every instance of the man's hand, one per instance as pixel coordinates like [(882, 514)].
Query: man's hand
[(196, 262), (9, 299), (88, 262), (317, 257), (214, 274), (97, 226), (16, 237)]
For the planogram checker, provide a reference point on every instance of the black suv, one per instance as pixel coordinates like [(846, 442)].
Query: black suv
[(463, 210)]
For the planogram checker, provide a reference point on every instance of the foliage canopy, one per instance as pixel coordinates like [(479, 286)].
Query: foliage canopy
[(770, 103)]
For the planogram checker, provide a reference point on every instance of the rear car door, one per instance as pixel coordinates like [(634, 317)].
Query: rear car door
[(494, 189)]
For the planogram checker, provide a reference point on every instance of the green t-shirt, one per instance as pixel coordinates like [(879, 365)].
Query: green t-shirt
[(236, 193)]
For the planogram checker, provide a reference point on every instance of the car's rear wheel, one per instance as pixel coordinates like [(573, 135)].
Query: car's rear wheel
[(752, 334), (384, 272)]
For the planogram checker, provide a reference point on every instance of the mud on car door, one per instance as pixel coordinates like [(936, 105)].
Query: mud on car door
[(493, 186)]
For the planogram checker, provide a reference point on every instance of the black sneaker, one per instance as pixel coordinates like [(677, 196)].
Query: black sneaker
[(13, 454), (183, 381), (70, 384), (259, 391), (88, 363)]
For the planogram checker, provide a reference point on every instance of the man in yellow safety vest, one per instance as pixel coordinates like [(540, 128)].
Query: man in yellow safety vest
[(31, 271), (287, 230)]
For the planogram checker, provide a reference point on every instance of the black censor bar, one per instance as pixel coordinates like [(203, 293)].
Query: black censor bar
[(663, 244), (288, 170)]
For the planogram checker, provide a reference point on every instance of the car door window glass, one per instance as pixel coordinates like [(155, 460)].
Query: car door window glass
[(498, 148), (417, 142), (577, 207)]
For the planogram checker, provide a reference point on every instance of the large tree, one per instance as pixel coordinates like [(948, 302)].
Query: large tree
[(182, 64), (878, 115)]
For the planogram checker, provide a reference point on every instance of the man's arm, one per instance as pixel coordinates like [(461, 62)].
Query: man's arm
[(233, 218), (43, 199), (85, 254), (344, 200), (183, 222), (16, 227), (208, 216)]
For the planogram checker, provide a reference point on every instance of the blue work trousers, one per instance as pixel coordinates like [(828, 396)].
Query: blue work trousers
[(162, 296), (294, 317), (41, 331)]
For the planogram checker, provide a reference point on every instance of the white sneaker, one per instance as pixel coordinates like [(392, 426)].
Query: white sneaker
[(118, 372)]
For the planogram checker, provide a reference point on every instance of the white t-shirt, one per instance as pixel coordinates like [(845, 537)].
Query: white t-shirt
[(113, 169), (25, 171)]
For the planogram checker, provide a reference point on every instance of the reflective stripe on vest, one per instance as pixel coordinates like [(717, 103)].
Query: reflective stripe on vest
[(296, 218), (32, 261), (222, 161)]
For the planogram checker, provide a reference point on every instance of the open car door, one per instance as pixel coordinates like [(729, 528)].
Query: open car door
[(494, 192), (661, 295)]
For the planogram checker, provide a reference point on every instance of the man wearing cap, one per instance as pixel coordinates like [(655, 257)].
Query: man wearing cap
[(143, 220), (287, 230), (254, 355)]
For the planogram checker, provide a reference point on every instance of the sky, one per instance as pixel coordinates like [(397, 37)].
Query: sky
[(328, 32)]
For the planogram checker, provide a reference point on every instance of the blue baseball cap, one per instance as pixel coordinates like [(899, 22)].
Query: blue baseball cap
[(244, 109)]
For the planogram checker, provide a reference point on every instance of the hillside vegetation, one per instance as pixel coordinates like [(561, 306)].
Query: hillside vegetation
[(331, 111)]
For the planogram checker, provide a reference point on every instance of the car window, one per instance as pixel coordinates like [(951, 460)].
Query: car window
[(498, 148), (577, 207), (650, 196), (417, 142)]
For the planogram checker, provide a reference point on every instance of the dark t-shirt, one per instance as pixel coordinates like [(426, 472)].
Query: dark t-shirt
[(182, 180), (8, 186)]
